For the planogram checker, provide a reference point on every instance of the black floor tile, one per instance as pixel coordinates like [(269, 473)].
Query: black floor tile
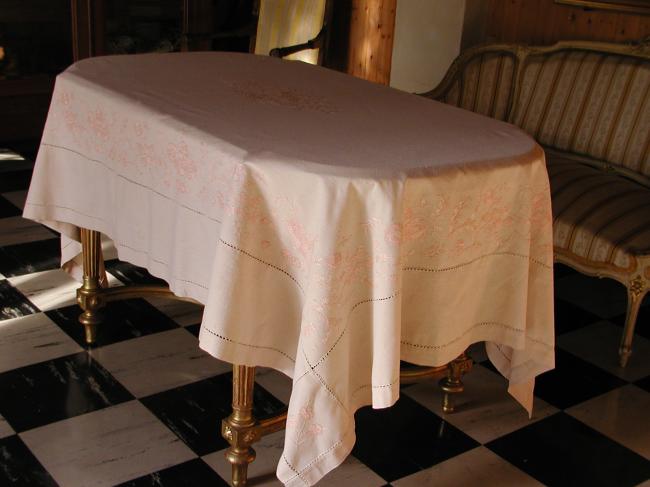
[(130, 318), (573, 381), (561, 270), (189, 474), (194, 411), (131, 274), (644, 383), (642, 322), (7, 209), (405, 438), (569, 317), (19, 467), (194, 329), (12, 303), (561, 451), (24, 148), (42, 255), (57, 389), (15, 180)]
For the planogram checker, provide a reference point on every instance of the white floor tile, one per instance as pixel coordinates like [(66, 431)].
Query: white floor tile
[(485, 410), (598, 344), (16, 198), (106, 447), (477, 352), (16, 230), (275, 382), (622, 415), (12, 161), (30, 339), (477, 467), (5, 429), (158, 362), (51, 289), (351, 473)]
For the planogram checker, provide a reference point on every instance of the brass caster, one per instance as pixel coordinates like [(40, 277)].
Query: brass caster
[(450, 388), (90, 333), (90, 320)]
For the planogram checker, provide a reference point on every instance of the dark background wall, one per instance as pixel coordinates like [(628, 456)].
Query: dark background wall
[(546, 22)]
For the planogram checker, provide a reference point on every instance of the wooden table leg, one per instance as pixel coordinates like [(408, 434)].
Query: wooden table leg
[(88, 295), (239, 429)]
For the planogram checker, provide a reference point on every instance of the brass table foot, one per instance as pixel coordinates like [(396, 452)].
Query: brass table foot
[(241, 429), (453, 384), (89, 294)]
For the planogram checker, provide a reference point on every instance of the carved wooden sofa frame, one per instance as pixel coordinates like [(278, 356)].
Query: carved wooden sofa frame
[(587, 104)]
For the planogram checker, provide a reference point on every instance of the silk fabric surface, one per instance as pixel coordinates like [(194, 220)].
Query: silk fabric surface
[(330, 226)]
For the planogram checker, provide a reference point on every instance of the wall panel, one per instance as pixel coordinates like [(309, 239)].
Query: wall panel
[(546, 22)]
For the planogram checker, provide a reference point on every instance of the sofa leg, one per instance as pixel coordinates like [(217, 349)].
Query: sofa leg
[(635, 294)]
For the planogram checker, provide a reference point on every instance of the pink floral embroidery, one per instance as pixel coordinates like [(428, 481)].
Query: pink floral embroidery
[(185, 166), (98, 124), (323, 325), (302, 242), (69, 114), (302, 426), (285, 97)]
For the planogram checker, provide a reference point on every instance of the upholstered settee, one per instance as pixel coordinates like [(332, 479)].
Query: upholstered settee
[(588, 105)]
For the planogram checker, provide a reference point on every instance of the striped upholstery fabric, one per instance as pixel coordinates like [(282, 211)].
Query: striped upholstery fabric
[(591, 103), (285, 23), (484, 85), (599, 217)]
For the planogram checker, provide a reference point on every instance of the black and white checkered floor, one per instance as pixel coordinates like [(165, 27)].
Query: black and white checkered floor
[(143, 407)]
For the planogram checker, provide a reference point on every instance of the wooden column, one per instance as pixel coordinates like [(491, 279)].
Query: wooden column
[(372, 26), (198, 17), (87, 28)]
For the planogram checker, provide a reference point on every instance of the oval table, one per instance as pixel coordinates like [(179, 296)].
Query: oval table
[(330, 226)]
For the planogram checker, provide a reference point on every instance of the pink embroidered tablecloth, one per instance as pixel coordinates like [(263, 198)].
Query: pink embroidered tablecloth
[(329, 225)]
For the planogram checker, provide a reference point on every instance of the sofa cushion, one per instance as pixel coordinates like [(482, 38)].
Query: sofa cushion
[(591, 103), (599, 217)]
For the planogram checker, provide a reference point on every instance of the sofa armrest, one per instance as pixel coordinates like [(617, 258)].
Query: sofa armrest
[(315, 43)]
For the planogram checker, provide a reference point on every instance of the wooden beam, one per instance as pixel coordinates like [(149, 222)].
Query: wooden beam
[(372, 27)]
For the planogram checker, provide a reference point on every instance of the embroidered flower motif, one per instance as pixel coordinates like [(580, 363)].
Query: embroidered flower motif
[(147, 154), (98, 124), (302, 242), (322, 324), (180, 157), (139, 128), (70, 117), (285, 97), (302, 426), (394, 234), (413, 227)]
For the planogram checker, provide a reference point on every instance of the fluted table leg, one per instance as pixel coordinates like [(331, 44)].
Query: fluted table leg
[(239, 429)]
